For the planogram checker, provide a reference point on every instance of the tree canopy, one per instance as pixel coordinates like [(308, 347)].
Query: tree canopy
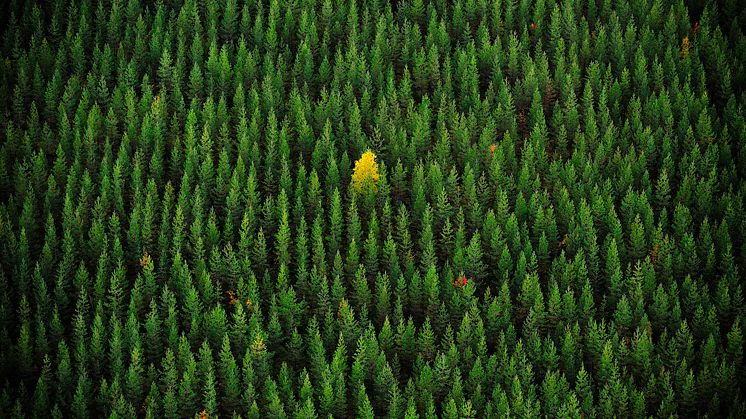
[(551, 220)]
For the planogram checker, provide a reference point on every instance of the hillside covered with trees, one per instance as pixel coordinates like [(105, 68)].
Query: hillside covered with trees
[(421, 209)]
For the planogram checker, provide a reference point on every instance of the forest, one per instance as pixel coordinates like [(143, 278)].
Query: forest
[(357, 208)]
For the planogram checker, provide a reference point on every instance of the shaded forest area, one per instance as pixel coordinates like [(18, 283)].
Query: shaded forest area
[(310, 208)]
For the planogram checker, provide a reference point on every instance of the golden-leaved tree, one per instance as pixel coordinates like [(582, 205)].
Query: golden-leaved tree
[(365, 175)]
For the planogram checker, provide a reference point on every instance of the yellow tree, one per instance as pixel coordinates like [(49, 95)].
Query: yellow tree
[(685, 47), (365, 175)]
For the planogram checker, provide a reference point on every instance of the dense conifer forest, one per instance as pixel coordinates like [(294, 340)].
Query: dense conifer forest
[(425, 209)]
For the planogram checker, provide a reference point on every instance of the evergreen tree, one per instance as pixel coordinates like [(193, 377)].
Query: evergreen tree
[(422, 209)]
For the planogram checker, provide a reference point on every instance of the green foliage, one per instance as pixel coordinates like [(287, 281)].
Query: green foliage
[(192, 221)]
